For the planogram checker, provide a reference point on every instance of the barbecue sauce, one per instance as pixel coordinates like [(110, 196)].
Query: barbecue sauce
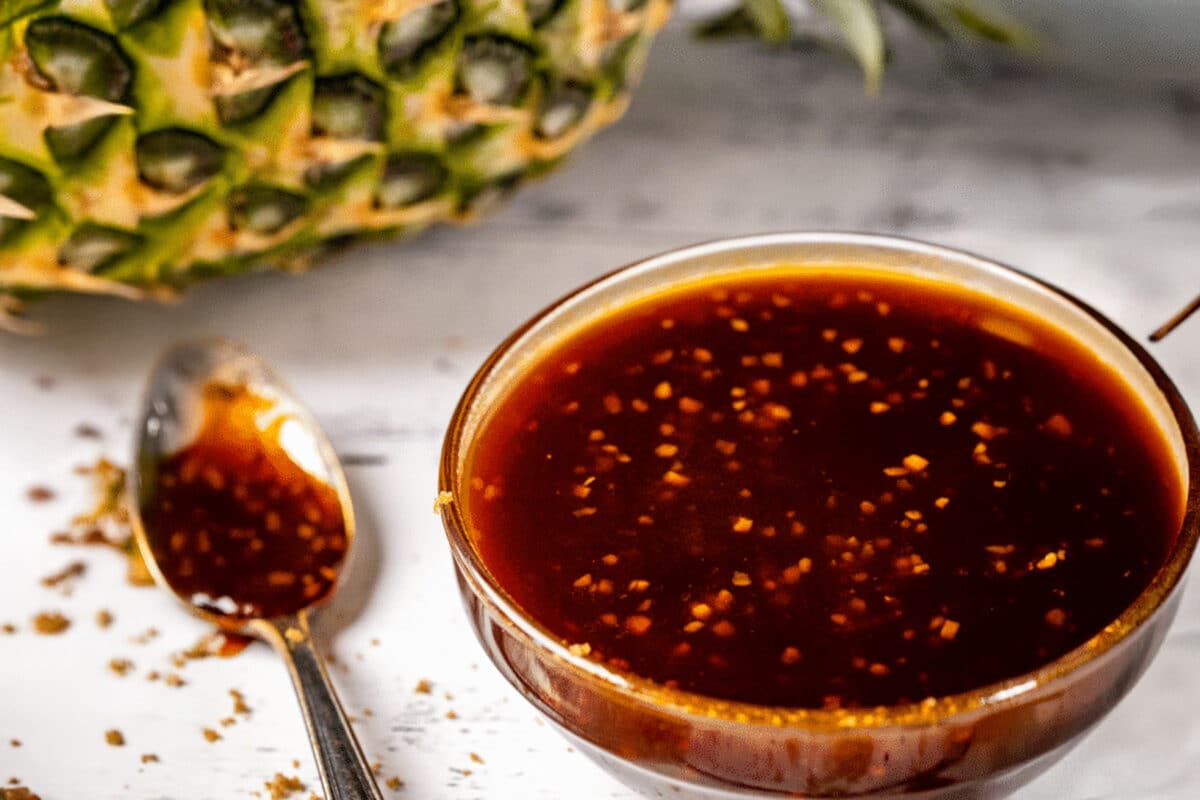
[(241, 530), (821, 490)]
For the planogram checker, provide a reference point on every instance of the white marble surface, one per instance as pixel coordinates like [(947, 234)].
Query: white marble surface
[(1095, 189)]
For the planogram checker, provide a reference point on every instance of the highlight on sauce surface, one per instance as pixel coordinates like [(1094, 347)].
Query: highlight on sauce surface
[(239, 528), (821, 489)]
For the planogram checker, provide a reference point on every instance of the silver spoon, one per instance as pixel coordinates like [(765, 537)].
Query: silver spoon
[(171, 416)]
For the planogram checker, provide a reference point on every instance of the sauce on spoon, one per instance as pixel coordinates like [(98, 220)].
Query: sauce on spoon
[(241, 529)]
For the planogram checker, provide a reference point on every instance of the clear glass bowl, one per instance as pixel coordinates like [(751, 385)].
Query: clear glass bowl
[(667, 743)]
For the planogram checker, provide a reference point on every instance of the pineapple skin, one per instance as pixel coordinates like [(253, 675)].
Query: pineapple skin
[(147, 144)]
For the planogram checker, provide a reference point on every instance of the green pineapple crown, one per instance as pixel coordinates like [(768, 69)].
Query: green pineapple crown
[(859, 26)]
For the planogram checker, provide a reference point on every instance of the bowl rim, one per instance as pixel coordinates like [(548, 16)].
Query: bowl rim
[(933, 710)]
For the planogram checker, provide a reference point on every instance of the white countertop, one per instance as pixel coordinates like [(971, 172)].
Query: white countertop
[(1096, 190)]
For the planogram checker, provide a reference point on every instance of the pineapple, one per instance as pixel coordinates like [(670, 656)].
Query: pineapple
[(145, 144)]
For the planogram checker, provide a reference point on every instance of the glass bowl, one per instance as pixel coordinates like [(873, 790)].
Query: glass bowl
[(982, 743)]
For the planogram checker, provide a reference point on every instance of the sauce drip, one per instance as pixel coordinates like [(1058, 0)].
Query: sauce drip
[(821, 490), (240, 529)]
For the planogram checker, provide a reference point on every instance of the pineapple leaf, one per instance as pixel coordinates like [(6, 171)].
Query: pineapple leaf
[(860, 26), (732, 24), (920, 15), (995, 29), (861, 31), (770, 20), (961, 19), (767, 20)]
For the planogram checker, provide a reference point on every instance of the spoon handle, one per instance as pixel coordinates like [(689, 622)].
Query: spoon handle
[(344, 771)]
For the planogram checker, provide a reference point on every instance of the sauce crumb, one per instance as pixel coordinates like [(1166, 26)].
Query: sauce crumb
[(50, 623), (283, 786)]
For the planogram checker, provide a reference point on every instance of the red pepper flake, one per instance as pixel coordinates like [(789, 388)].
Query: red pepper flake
[(282, 786), (724, 629), (120, 666), (50, 623), (40, 494), (1058, 425), (73, 570), (85, 430), (723, 602), (1047, 561), (675, 478), (778, 411), (985, 431)]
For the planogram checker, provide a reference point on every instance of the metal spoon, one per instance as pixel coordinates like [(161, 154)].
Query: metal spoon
[(170, 418)]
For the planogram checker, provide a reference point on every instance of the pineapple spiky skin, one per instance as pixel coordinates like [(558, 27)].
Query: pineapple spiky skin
[(145, 144)]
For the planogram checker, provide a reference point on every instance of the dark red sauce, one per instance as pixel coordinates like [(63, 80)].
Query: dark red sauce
[(239, 528), (830, 490)]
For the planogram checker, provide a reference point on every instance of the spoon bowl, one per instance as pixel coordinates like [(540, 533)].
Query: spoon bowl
[(272, 552)]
